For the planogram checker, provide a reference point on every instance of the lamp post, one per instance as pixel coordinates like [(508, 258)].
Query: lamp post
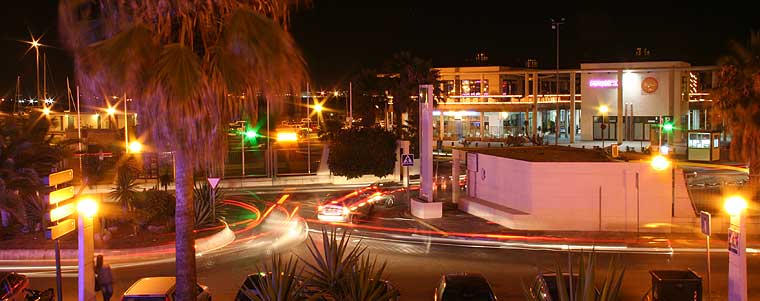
[(555, 26), (87, 209), (603, 109), (35, 43), (736, 206)]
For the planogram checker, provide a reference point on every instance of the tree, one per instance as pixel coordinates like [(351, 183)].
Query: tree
[(369, 96), (27, 153), (407, 74), (359, 151), (181, 61), (737, 102), (125, 191)]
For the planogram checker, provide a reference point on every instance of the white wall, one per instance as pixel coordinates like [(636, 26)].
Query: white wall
[(644, 104), (566, 195)]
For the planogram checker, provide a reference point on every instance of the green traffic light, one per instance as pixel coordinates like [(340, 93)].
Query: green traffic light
[(668, 127), (250, 134)]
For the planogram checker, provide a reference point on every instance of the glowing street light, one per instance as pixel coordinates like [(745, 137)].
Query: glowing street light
[(111, 111), (318, 108), (46, 111), (735, 205), (135, 147), (87, 207), (250, 134), (604, 109), (287, 137), (660, 163)]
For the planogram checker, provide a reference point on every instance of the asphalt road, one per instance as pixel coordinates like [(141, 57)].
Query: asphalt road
[(415, 268)]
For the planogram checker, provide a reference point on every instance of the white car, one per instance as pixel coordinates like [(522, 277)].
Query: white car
[(159, 289)]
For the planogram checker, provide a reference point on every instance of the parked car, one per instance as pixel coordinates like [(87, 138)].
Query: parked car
[(547, 285), (12, 286), (159, 289), (464, 286)]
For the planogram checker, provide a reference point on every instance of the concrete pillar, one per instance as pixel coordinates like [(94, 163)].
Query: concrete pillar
[(482, 125), (455, 171), (85, 258), (571, 126), (426, 142), (737, 258), (525, 87), (535, 104), (619, 127), (400, 173)]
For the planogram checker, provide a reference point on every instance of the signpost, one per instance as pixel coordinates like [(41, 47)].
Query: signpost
[(407, 160), (213, 182), (60, 227), (705, 221)]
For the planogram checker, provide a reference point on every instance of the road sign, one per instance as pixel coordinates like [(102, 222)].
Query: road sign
[(62, 212), (214, 182), (61, 195), (59, 177), (61, 229), (407, 159), (705, 218), (733, 240)]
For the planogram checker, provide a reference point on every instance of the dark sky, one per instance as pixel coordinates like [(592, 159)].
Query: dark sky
[(339, 37)]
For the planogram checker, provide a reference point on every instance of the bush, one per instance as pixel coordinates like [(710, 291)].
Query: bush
[(362, 151), (153, 205), (205, 207)]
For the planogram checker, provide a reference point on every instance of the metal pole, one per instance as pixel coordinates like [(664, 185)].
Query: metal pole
[(269, 147), (709, 271), (673, 190), (570, 270), (58, 282), (126, 125), (351, 102), (242, 151), (600, 208), (308, 143), (638, 209), (37, 51)]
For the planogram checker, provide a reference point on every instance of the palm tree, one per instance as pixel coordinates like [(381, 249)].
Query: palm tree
[(737, 102), (187, 64), (411, 73), (27, 153)]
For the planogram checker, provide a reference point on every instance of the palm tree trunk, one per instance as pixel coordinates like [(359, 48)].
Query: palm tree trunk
[(184, 223)]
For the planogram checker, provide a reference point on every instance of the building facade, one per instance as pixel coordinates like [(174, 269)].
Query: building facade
[(492, 103)]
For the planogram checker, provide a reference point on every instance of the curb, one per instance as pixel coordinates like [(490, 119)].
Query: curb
[(202, 245)]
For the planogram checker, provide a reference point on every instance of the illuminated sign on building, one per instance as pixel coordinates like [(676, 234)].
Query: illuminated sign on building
[(603, 83)]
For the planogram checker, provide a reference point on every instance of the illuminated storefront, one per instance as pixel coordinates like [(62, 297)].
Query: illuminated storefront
[(491, 103)]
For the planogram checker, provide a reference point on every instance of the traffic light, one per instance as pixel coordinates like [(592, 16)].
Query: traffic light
[(668, 127), (250, 134)]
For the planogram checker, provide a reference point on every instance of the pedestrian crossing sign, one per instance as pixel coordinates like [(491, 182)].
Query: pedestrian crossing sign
[(407, 159)]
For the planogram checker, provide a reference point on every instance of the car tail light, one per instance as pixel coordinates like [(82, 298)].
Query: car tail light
[(319, 208), (346, 211)]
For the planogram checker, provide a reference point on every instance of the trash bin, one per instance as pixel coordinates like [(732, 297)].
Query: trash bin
[(676, 285)]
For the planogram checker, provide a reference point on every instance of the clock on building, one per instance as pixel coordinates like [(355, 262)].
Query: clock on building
[(649, 85)]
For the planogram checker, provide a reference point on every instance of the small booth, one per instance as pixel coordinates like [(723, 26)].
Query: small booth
[(703, 146)]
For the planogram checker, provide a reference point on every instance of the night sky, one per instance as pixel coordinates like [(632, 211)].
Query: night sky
[(339, 37)]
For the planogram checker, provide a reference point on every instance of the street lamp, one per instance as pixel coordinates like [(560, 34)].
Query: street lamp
[(736, 206), (660, 163), (35, 43), (603, 109), (87, 207), (318, 107), (555, 26), (46, 111), (135, 147)]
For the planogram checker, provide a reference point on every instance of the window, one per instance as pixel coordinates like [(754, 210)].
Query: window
[(474, 87), (716, 142), (699, 140)]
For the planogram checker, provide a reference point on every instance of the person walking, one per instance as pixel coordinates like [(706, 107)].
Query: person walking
[(103, 278)]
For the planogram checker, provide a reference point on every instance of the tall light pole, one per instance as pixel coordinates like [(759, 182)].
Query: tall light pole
[(555, 26), (736, 206), (603, 109), (35, 43)]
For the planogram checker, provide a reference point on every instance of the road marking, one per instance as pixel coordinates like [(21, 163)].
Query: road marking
[(434, 228)]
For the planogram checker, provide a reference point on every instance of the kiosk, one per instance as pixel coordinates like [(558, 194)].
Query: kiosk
[(703, 146)]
